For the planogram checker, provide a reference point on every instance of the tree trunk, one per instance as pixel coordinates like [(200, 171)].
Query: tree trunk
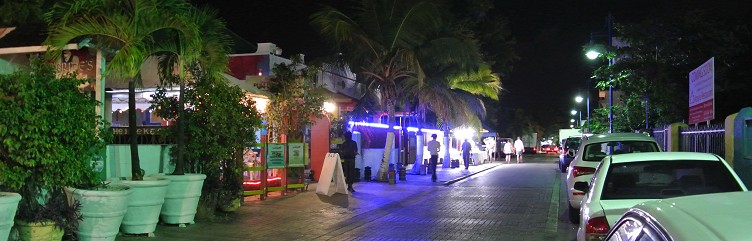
[(136, 172), (447, 144), (179, 163), (385, 160)]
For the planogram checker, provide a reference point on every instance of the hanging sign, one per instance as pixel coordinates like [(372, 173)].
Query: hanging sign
[(295, 153), (331, 172), (275, 155)]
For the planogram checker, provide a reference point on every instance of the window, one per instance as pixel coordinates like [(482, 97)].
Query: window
[(665, 179), (597, 151)]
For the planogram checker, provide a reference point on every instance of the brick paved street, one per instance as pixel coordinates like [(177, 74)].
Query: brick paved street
[(492, 204)]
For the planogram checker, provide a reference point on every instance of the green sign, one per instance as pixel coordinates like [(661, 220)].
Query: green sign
[(296, 155), (275, 157)]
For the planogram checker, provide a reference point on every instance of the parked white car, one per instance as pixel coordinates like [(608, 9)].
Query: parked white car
[(622, 181), (591, 151), (708, 217)]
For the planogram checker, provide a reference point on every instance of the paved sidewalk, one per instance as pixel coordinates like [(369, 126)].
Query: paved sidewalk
[(310, 216)]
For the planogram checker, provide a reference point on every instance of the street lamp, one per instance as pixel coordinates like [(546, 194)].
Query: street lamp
[(579, 99), (592, 54)]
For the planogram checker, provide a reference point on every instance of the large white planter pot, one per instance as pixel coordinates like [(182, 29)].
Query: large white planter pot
[(8, 207), (102, 211), (144, 205), (182, 198)]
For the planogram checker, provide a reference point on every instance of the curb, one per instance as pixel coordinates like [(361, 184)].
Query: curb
[(450, 182)]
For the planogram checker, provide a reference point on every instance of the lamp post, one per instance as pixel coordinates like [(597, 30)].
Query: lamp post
[(592, 54), (579, 99), (579, 121)]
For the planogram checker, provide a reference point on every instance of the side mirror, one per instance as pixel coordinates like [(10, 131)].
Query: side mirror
[(570, 153), (581, 186)]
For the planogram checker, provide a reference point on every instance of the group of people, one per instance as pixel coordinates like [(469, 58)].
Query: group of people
[(517, 148), (349, 150)]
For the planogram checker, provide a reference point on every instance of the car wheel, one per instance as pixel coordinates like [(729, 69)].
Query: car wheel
[(574, 214)]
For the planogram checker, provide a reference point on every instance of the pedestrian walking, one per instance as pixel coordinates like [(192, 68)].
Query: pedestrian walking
[(433, 148), (466, 147), (348, 151), (508, 150), (519, 147)]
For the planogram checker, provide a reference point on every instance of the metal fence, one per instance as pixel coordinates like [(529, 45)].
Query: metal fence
[(661, 136), (708, 139)]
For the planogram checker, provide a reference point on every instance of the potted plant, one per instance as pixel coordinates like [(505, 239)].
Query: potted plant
[(220, 124), (50, 133), (8, 206)]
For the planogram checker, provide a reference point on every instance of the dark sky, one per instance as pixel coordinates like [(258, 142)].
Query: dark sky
[(550, 35)]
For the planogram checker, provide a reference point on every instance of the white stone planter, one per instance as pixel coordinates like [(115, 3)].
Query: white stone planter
[(8, 207), (182, 198), (144, 205), (102, 211)]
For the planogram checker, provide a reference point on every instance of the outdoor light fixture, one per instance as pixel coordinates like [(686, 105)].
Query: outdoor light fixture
[(384, 126), (464, 133), (578, 99), (592, 54), (574, 112), (329, 107), (571, 120)]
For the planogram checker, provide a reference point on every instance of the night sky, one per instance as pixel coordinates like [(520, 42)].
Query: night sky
[(550, 35)]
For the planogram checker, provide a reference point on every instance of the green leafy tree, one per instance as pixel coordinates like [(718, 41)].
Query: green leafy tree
[(653, 70), (220, 123), (295, 100), (50, 132), (132, 31)]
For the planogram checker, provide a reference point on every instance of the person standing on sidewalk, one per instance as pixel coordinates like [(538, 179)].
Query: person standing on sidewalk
[(348, 150), (433, 148), (519, 147), (466, 147), (508, 151)]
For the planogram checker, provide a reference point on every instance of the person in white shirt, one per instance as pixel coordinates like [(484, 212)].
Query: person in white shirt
[(508, 151), (519, 148), (433, 148)]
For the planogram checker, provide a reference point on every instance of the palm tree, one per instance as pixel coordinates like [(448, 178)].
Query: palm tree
[(456, 99), (213, 49), (132, 30), (380, 39)]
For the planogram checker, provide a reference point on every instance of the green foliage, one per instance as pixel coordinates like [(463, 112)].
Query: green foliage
[(661, 53), (220, 124), (295, 100), (49, 134)]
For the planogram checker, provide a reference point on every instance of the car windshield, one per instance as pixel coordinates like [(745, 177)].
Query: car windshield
[(573, 143), (595, 152), (665, 179)]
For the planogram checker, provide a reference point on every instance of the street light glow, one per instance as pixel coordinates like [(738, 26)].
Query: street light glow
[(578, 99), (571, 120), (592, 54), (574, 112)]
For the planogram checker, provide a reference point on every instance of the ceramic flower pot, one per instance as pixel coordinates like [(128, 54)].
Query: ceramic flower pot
[(8, 207), (144, 205), (182, 198), (102, 211), (39, 231)]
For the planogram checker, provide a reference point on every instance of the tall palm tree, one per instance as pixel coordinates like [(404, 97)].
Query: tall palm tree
[(456, 99), (133, 30), (213, 49), (381, 38)]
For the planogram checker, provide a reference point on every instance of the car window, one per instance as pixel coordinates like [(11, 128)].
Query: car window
[(595, 152), (573, 143), (664, 179)]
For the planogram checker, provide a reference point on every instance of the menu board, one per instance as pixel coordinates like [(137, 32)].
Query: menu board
[(275, 155), (295, 154)]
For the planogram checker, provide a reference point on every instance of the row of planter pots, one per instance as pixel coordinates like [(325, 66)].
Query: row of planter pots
[(131, 207)]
